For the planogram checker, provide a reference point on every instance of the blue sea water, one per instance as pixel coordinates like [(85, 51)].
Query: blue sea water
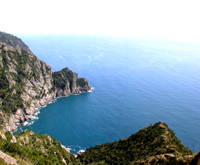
[(137, 82)]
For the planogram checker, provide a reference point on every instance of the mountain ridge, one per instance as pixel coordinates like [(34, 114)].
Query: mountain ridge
[(13, 41), (155, 144)]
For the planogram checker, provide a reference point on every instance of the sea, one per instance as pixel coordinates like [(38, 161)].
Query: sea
[(135, 83)]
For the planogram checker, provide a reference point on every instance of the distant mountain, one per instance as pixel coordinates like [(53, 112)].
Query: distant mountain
[(13, 41), (155, 144)]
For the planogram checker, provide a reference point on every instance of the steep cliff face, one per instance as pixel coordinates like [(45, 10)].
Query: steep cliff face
[(27, 83)]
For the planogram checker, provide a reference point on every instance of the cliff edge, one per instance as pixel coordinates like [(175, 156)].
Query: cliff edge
[(13, 41), (27, 83)]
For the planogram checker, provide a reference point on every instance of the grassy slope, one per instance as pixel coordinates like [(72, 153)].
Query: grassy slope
[(155, 144), (34, 148)]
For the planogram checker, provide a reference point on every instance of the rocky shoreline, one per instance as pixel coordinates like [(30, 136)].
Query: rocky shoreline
[(26, 114)]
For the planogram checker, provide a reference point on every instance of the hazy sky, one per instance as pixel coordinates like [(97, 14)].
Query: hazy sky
[(152, 18)]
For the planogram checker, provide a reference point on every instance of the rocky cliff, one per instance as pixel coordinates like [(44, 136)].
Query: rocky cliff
[(27, 83)]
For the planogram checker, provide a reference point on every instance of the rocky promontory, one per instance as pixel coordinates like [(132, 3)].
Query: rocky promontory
[(27, 83)]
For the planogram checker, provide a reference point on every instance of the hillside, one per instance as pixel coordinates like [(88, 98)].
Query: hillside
[(155, 144), (30, 148), (27, 83), (13, 41)]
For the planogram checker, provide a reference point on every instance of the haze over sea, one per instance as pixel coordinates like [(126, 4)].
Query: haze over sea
[(136, 83)]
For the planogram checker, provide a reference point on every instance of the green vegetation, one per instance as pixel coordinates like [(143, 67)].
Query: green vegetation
[(13, 74), (34, 148), (149, 145), (10, 102), (81, 82), (156, 144), (61, 78), (2, 162)]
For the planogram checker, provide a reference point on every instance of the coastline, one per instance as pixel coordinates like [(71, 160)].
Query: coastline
[(37, 112), (67, 149)]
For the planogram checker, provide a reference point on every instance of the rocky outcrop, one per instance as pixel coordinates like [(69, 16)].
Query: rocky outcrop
[(28, 83), (71, 84), (8, 159), (26, 114)]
